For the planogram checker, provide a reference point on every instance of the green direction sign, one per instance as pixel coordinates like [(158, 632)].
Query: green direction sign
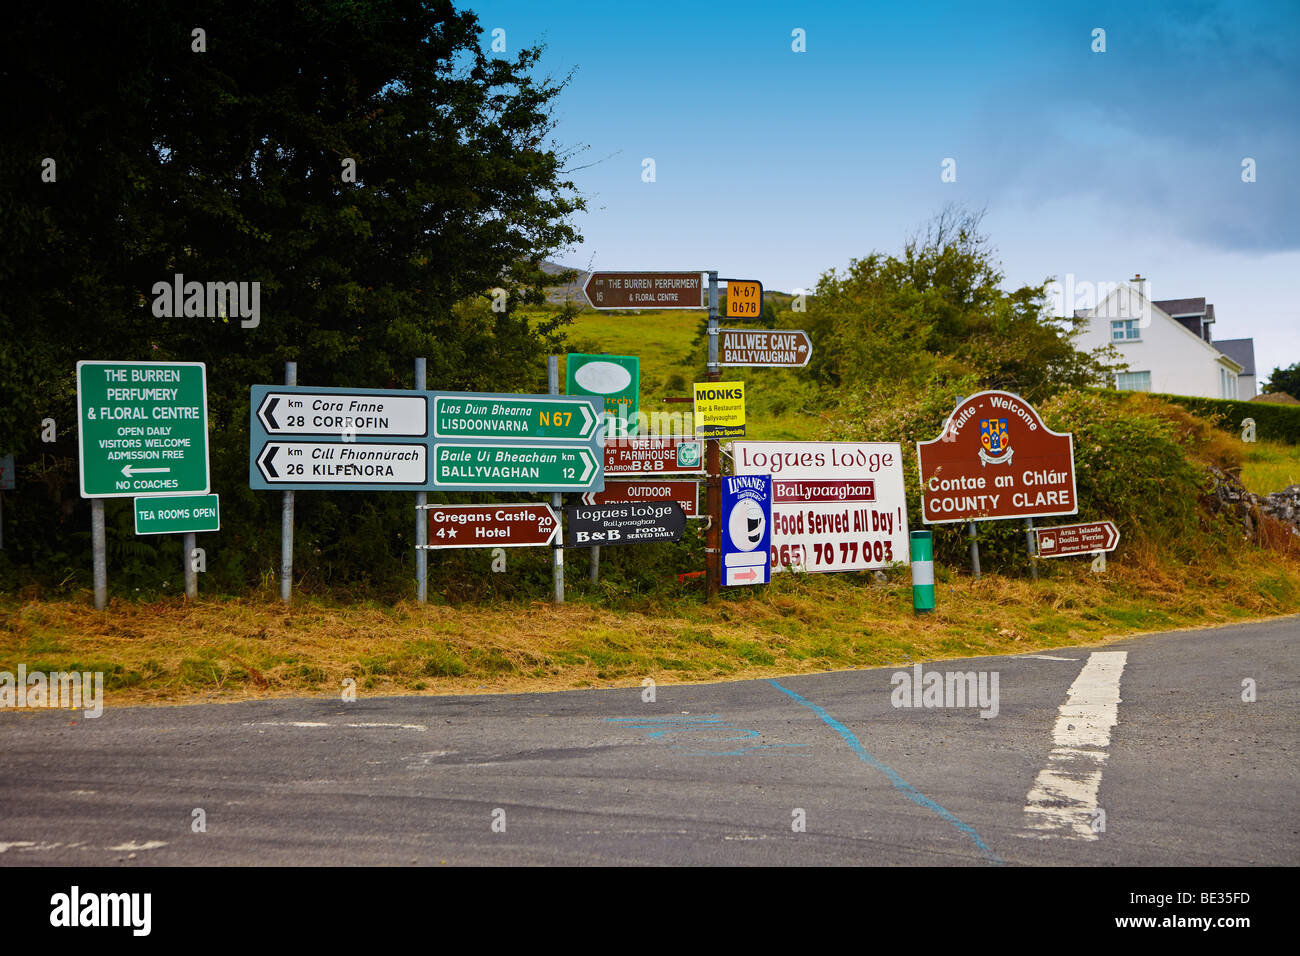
[(516, 417), (143, 428), (615, 379), (488, 466), (177, 514)]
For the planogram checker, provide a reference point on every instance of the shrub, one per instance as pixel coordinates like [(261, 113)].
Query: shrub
[(1274, 422)]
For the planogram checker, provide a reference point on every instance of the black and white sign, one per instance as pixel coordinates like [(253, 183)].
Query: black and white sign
[(633, 522)]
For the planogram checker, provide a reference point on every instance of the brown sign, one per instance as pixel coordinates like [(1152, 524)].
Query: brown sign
[(645, 290), (491, 526), (1068, 539), (996, 459), (779, 348), (685, 493), (654, 456)]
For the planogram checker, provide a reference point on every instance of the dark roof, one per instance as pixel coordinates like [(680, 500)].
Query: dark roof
[(1241, 351), (1182, 306)]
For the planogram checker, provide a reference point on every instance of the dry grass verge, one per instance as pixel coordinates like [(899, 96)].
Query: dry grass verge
[(220, 650)]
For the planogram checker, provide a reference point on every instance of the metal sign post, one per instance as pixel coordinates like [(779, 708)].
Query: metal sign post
[(713, 462), (286, 514), (187, 565), (1029, 545), (557, 503), (99, 553), (421, 524)]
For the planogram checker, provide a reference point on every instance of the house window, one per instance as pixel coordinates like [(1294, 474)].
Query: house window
[(1227, 383), (1125, 330), (1133, 381)]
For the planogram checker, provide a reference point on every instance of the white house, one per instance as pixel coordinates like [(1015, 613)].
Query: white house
[(1241, 351), (1166, 343)]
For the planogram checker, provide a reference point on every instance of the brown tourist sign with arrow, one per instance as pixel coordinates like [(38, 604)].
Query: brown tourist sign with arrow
[(1068, 539), (771, 348)]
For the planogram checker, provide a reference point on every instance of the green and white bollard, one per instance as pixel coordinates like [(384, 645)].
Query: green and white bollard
[(922, 572)]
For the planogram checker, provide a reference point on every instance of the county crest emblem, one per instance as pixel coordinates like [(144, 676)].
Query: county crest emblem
[(996, 441)]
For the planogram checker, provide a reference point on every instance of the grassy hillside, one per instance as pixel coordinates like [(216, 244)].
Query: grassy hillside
[(780, 403), (1269, 466)]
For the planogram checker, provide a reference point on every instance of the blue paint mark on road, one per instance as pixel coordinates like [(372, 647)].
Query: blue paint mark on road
[(916, 796), (662, 727)]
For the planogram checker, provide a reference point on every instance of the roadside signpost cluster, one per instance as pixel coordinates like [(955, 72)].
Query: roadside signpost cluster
[(788, 506)]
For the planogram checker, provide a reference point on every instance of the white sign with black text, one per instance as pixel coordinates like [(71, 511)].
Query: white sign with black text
[(836, 506)]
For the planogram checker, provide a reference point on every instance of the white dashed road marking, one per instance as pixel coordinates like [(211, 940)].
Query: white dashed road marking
[(1063, 799), (421, 728)]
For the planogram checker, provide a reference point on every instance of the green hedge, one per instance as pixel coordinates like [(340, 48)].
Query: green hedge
[(1272, 422)]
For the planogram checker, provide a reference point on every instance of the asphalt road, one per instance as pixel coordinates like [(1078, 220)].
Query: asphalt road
[(1185, 771)]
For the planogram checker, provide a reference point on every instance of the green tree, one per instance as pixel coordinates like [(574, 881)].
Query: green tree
[(1284, 380), (939, 309), (233, 163)]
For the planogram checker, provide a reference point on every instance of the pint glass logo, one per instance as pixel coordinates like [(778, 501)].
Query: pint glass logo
[(996, 442)]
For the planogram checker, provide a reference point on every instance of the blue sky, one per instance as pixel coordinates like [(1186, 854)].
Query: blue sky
[(780, 165)]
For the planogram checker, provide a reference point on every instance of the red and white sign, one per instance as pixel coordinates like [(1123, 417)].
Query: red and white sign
[(685, 493), (527, 525), (1068, 539), (836, 506), (654, 456), (996, 459)]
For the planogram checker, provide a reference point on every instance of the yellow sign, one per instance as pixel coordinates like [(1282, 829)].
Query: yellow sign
[(719, 409), (744, 298)]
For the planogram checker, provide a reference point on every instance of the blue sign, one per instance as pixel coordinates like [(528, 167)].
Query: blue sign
[(746, 529), (370, 439)]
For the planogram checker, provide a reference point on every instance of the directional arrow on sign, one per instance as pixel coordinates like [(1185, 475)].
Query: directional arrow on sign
[(130, 470), (369, 412), (265, 461), (768, 348), (266, 411), (485, 466), (1071, 539), (559, 418), (344, 465)]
